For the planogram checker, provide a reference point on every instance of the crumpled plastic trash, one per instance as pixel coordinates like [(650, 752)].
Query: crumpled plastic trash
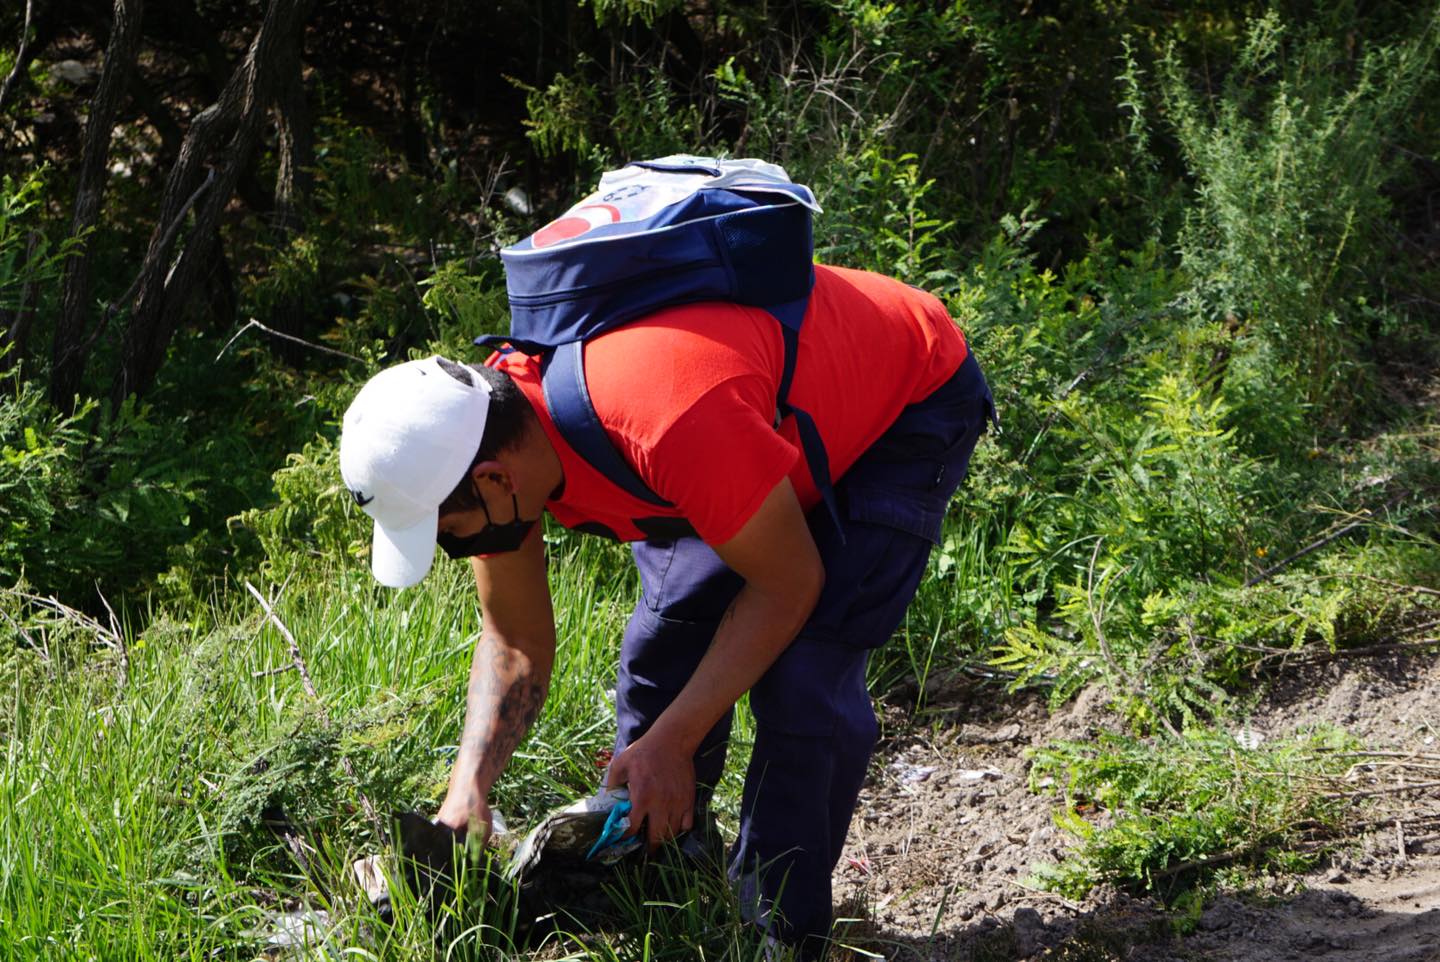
[(559, 868), (978, 774), (612, 845), (913, 774), (296, 931), (590, 828)]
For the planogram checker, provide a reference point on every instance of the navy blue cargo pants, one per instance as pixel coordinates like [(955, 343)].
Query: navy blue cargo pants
[(815, 727)]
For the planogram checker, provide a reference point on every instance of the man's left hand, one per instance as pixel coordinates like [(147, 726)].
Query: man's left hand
[(660, 774)]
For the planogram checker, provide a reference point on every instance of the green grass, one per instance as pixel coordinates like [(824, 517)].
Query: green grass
[(132, 801)]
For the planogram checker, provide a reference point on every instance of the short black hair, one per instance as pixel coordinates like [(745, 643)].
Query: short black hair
[(507, 422)]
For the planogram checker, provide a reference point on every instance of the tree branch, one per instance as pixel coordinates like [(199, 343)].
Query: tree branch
[(229, 129), (123, 301)]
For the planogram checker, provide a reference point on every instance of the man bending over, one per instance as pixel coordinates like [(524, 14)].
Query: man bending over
[(748, 582)]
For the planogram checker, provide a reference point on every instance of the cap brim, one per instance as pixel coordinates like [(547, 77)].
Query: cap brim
[(400, 557)]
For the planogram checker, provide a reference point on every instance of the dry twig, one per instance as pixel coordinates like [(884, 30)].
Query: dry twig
[(253, 323), (1397, 585), (103, 634), (1363, 519), (1369, 753), (298, 663), (34, 645), (1391, 790), (1367, 651), (119, 638)]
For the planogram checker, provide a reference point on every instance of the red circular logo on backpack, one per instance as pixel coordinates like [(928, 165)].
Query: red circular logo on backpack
[(575, 223)]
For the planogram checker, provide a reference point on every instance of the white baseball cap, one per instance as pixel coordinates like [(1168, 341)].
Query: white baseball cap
[(407, 440)]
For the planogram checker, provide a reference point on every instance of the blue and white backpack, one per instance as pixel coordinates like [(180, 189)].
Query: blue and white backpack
[(655, 234)]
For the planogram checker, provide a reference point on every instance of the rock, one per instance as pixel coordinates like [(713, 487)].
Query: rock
[(1214, 918), (1006, 733), (1029, 927), (72, 72)]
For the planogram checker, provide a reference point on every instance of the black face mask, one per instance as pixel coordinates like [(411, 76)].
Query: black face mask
[(491, 539)]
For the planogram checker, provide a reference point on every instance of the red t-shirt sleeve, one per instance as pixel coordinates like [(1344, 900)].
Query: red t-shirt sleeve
[(720, 458)]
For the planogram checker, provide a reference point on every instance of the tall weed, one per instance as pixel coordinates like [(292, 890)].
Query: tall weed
[(1290, 165)]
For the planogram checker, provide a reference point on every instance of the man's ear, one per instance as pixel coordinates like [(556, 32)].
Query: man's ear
[(493, 475)]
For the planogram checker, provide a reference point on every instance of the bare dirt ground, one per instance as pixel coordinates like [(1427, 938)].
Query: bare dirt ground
[(947, 831)]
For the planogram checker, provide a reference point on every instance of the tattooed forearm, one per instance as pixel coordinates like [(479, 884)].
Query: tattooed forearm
[(505, 695)]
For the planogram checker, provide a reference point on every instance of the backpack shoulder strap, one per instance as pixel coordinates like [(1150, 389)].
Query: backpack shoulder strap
[(789, 316), (562, 376)]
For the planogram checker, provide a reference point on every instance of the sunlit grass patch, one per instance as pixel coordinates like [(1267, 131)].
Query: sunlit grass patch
[(1161, 814)]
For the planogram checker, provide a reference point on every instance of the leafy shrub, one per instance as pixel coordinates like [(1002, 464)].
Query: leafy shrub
[(311, 774), (1176, 809), (605, 124), (38, 456), (878, 220), (469, 303), (20, 204), (85, 499), (1107, 532), (1289, 169), (314, 517)]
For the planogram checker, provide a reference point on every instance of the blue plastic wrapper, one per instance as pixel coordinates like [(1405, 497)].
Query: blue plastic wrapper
[(612, 844)]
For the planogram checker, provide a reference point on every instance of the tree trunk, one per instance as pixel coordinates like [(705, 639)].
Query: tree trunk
[(296, 149), (68, 352), (225, 134), (28, 45), (293, 182), (218, 286)]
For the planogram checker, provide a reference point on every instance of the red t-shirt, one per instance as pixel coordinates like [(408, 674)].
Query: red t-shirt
[(687, 396)]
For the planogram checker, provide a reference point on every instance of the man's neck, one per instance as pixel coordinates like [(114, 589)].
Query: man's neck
[(542, 462)]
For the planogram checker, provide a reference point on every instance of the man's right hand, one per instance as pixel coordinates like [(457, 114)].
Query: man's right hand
[(465, 811)]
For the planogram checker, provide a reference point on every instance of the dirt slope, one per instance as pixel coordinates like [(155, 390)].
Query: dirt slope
[(947, 832)]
